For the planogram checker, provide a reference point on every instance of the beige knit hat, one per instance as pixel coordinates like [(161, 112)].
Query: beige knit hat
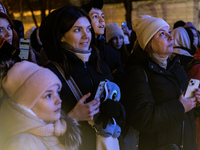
[(113, 29), (146, 27), (25, 82)]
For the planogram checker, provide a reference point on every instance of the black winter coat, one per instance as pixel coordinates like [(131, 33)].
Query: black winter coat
[(150, 95), (110, 56), (87, 79)]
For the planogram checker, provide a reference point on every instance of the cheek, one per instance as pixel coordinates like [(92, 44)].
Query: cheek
[(121, 40), (94, 24)]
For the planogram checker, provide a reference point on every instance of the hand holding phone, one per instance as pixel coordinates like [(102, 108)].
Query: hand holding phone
[(100, 90), (192, 86), (24, 48), (124, 24)]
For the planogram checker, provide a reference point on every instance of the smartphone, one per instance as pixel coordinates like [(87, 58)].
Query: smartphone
[(124, 24), (24, 45), (100, 93), (192, 86)]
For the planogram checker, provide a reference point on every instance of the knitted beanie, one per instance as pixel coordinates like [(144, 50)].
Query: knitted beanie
[(25, 82), (182, 43), (113, 29), (146, 27)]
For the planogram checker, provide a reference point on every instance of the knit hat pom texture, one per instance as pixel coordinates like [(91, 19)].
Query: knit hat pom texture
[(112, 30), (146, 27)]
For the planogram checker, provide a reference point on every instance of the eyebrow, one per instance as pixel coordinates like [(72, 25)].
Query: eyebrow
[(97, 13), (81, 26), (48, 91)]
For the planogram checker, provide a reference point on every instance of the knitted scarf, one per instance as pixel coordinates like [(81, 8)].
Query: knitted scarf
[(81, 54), (162, 62), (58, 128)]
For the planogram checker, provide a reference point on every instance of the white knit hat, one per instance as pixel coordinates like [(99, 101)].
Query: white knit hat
[(146, 27), (25, 82), (113, 29), (181, 39)]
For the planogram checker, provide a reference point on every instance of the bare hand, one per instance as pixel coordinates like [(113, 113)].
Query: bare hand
[(197, 95), (188, 103), (32, 57), (126, 30), (85, 111)]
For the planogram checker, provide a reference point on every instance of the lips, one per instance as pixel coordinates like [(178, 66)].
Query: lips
[(9, 41), (58, 110), (84, 43), (171, 45)]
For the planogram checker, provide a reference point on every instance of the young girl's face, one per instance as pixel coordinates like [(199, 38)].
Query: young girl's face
[(118, 41), (48, 107)]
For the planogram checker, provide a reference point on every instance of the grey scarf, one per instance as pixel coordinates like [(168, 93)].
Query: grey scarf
[(81, 54)]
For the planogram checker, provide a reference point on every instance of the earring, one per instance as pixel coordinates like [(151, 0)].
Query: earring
[(62, 40)]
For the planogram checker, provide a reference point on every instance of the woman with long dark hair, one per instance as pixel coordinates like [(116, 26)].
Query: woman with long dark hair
[(67, 37)]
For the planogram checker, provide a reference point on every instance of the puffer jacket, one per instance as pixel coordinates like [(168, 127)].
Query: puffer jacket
[(150, 95)]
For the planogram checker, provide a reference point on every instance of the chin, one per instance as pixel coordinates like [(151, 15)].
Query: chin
[(84, 48)]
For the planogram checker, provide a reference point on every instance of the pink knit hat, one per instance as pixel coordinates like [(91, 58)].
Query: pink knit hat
[(25, 82), (146, 27)]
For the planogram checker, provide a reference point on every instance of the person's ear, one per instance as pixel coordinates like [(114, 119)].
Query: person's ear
[(62, 39)]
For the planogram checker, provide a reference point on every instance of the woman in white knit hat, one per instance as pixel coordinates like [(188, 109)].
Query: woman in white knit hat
[(31, 116), (115, 39), (152, 90)]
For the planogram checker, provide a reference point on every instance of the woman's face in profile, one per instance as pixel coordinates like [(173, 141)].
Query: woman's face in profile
[(79, 36), (48, 107), (162, 42)]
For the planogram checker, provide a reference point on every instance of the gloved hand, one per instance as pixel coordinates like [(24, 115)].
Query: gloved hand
[(111, 109)]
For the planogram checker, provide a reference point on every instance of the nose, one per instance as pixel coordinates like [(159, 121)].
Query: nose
[(7, 33), (170, 37), (101, 19), (58, 100), (85, 34)]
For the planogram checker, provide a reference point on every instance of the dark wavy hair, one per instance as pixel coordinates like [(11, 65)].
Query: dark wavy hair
[(53, 28)]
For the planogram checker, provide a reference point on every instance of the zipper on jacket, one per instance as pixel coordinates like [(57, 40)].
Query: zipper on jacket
[(84, 65)]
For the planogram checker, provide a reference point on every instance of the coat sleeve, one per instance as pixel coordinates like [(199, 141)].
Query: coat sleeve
[(24, 141), (142, 112)]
